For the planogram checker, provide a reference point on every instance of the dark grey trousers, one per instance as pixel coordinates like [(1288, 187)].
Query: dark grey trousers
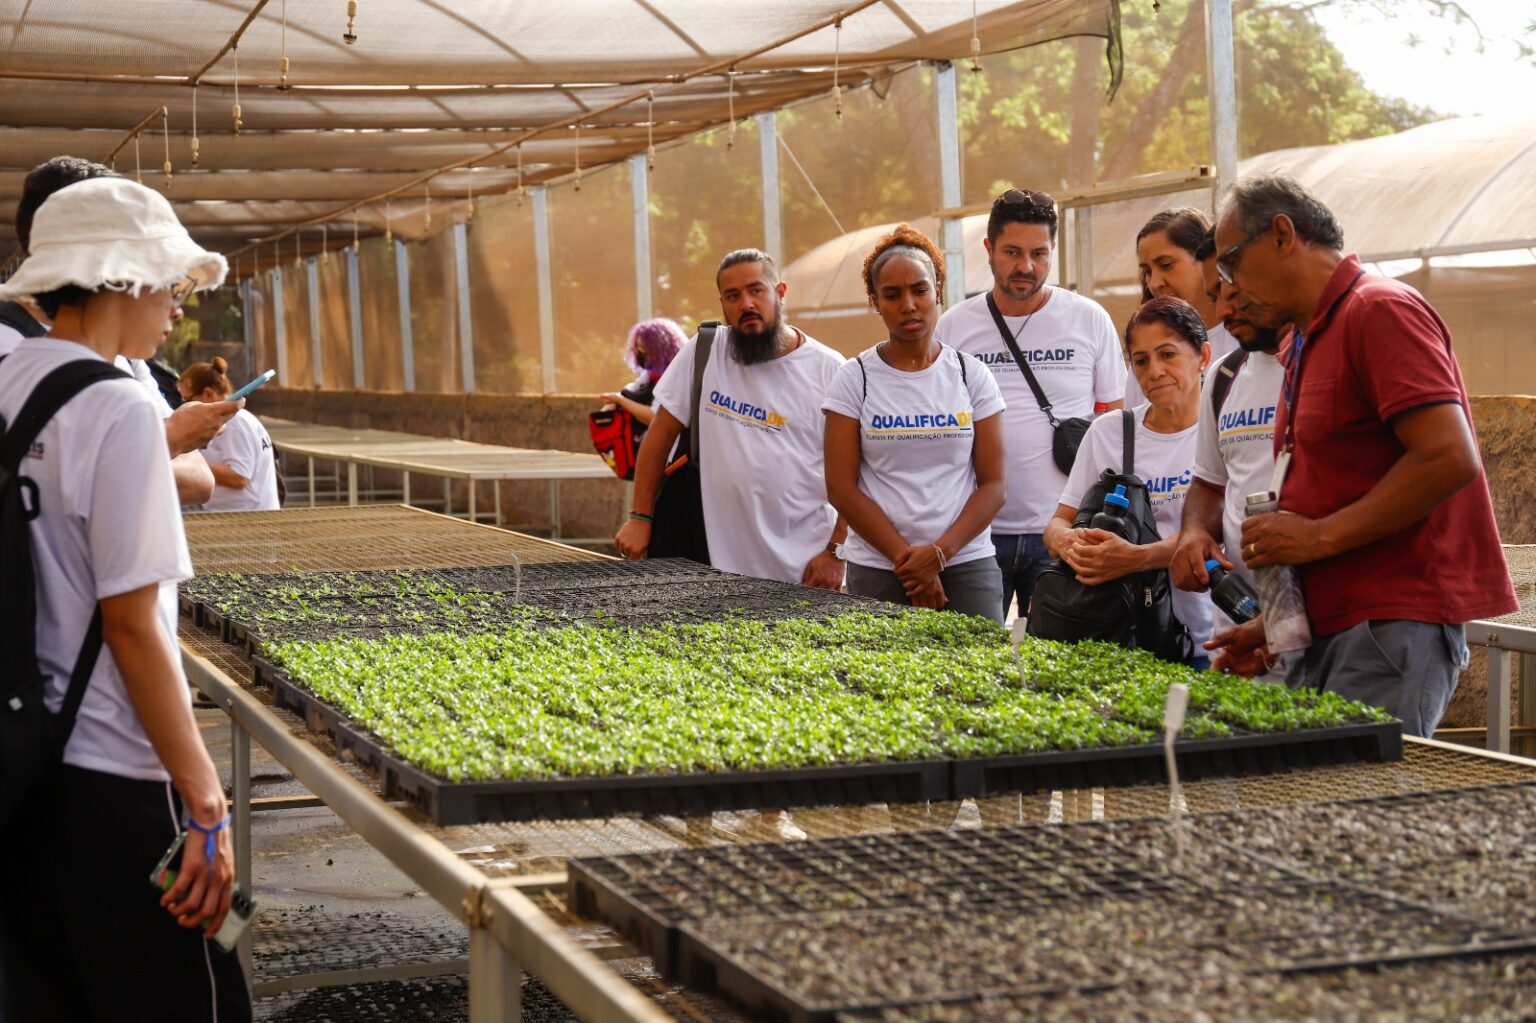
[(1409, 669), (974, 588)]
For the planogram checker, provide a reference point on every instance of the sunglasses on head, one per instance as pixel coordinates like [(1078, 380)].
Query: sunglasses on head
[(1024, 197)]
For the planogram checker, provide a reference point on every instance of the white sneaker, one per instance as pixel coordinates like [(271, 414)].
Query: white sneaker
[(967, 817)]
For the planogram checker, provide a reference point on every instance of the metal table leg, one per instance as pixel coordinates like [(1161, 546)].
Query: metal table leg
[(447, 496), (240, 796), (472, 500), (1501, 665), (351, 484), (496, 490), (405, 488), (554, 509), (311, 481), (495, 980)]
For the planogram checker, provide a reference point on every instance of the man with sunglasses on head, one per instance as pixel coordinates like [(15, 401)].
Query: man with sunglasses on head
[(1070, 347), (1384, 505)]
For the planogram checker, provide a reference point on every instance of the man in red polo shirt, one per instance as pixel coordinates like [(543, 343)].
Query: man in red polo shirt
[(1384, 507)]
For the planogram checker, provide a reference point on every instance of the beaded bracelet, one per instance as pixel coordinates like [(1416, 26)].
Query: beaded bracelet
[(943, 561), (641, 516)]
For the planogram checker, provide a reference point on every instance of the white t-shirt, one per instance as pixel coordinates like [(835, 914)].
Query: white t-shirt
[(139, 369), (760, 454), (109, 524), (10, 337), (916, 433), (1237, 452), (245, 447), (1221, 342), (1073, 350), (1166, 462)]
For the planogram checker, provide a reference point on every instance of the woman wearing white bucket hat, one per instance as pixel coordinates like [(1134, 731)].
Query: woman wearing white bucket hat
[(84, 936)]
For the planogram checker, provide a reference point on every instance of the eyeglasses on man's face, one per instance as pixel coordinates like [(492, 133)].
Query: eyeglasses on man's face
[(183, 291), (1226, 263)]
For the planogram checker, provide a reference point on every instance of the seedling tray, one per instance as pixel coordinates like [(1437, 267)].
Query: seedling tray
[(1229, 756), (447, 802)]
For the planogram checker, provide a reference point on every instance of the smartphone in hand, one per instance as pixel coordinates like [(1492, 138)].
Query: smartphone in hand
[(260, 381)]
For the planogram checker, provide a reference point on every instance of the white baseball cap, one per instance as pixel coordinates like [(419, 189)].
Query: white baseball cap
[(111, 233)]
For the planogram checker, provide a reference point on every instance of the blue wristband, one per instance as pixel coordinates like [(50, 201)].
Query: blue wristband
[(210, 844)]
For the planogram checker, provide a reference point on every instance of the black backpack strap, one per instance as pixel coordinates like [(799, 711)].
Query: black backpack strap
[(85, 665), (864, 373), (50, 395), (963, 378), (1018, 357), (19, 320), (705, 342), (1128, 442), (1226, 372)]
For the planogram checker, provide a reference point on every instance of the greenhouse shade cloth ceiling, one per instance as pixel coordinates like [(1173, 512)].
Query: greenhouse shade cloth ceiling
[(435, 98)]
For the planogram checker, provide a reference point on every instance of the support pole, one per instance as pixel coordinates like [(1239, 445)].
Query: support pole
[(952, 236), (495, 980), (768, 161), (546, 286), (240, 798), (355, 317), (466, 327), (279, 329), (407, 343), (1221, 84), (1082, 220), (640, 193), (247, 330), (316, 348), (1501, 667)]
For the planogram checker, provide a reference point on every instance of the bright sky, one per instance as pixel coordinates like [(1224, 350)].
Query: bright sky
[(1444, 70)]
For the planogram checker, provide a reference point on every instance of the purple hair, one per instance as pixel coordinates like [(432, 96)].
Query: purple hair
[(652, 345)]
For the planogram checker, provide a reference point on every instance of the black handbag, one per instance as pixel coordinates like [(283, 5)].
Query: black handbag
[(677, 529), (1066, 434)]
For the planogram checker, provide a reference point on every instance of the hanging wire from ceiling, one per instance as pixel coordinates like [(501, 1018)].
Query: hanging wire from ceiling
[(194, 127), (165, 130), (975, 41), (650, 130), (521, 191), (578, 157), (730, 108), (235, 111), (325, 245), (837, 59), (138, 172), (282, 64)]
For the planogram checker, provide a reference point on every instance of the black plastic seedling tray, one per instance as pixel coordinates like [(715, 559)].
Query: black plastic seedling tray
[(448, 802), (1229, 756)]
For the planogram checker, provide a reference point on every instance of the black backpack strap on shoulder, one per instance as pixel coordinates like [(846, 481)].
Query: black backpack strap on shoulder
[(1128, 442), (705, 342), (1018, 357), (85, 666), (1226, 373), (963, 378), (50, 395), (863, 373)]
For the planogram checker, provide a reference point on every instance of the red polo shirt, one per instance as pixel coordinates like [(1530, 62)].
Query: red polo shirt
[(1374, 349)]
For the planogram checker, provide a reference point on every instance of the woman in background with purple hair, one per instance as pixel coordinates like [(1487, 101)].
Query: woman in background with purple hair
[(649, 351)]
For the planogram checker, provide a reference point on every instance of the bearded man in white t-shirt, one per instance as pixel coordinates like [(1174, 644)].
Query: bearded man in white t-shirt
[(760, 438), (1071, 347), (1234, 457)]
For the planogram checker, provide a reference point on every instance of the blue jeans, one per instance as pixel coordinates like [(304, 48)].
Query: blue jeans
[(1021, 557)]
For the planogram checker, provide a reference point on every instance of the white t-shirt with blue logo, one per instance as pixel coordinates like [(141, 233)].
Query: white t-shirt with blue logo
[(760, 455), (916, 435), (1237, 451), (246, 448), (1166, 462), (1074, 352)]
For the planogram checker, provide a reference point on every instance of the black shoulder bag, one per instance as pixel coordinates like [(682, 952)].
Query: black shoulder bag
[(1226, 375), (1066, 434), (678, 527)]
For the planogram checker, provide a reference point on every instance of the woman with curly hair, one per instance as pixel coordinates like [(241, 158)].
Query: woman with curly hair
[(651, 346), (914, 447)]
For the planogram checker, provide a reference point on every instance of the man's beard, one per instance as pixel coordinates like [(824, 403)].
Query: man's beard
[(760, 345), (1018, 291), (1265, 339)]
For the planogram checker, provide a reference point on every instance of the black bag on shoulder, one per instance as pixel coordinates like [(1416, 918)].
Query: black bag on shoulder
[(32, 739), (1135, 610), (678, 527)]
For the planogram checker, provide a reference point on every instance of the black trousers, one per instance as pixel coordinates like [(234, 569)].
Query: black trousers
[(83, 937)]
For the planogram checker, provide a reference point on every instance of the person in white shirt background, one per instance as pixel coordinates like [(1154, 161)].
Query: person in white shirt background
[(240, 458), (1167, 260), (83, 935), (1071, 347), (1166, 344), (1235, 457), (915, 447)]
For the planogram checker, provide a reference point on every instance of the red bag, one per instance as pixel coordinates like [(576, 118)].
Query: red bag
[(616, 436)]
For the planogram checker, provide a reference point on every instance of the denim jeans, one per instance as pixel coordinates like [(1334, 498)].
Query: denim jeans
[(1021, 557)]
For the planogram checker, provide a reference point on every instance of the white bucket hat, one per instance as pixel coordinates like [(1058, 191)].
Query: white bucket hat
[(111, 233)]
